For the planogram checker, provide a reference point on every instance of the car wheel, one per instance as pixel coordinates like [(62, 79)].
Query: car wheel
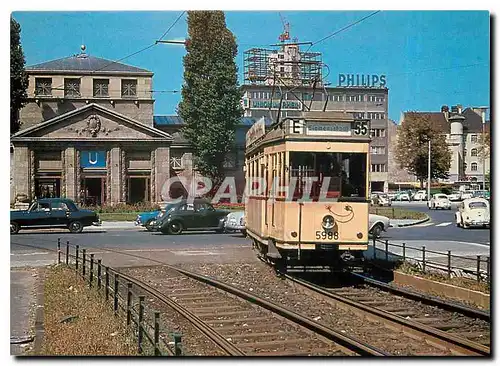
[(377, 231), (449, 208), (14, 228), (75, 227), (149, 225), (175, 228)]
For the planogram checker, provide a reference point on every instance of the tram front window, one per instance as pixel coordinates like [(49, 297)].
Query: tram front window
[(344, 173)]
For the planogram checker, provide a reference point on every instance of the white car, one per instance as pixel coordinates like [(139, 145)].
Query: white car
[(377, 224), (439, 200), (235, 221), (380, 199), (420, 196), (402, 196), (455, 196), (467, 195), (473, 212)]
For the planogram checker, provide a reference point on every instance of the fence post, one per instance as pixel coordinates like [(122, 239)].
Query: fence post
[(404, 251), (116, 294), (177, 344), (76, 259), (157, 334), (141, 316), (91, 274), (423, 258), (58, 250), (129, 302), (374, 248), (83, 262), (488, 270), (478, 268), (99, 274), (449, 263), (67, 252), (107, 283), (386, 250)]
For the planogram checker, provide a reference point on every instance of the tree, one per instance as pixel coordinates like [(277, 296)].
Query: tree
[(412, 148), (484, 145), (210, 104), (18, 76)]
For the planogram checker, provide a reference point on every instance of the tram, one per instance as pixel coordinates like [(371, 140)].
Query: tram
[(307, 187)]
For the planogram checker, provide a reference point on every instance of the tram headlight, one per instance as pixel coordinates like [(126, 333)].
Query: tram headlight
[(328, 222)]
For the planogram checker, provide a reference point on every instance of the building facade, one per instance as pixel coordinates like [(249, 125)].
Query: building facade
[(87, 134), (464, 130)]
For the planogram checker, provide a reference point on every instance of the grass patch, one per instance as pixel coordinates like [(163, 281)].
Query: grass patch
[(397, 213), (94, 331), (468, 283)]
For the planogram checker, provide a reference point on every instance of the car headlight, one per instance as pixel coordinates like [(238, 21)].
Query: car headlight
[(328, 222)]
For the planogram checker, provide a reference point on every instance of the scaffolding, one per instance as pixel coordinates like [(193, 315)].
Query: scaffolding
[(286, 66)]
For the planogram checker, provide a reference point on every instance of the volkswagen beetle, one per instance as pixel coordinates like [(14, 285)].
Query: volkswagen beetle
[(473, 212)]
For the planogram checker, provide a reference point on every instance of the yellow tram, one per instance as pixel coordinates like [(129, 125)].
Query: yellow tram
[(307, 188)]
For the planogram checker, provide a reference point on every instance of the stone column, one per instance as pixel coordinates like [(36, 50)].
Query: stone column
[(116, 175), (162, 170), (152, 196), (22, 174), (70, 174)]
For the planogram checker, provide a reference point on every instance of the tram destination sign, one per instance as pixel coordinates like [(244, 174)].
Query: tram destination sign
[(256, 131), (317, 128)]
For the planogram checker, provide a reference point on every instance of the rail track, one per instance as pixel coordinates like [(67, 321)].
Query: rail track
[(239, 322), (458, 329)]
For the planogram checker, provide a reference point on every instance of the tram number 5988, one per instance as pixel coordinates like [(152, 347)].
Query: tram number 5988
[(360, 128), (327, 235)]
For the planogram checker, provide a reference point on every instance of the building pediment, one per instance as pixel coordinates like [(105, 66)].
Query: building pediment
[(91, 122)]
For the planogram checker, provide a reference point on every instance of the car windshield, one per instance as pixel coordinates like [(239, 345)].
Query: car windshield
[(474, 205)]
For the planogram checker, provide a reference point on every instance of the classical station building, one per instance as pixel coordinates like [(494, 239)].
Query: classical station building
[(87, 134)]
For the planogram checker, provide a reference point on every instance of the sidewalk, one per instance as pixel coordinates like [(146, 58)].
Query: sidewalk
[(407, 222), (115, 225)]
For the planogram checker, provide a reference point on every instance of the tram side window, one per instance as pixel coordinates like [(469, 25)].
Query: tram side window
[(347, 173)]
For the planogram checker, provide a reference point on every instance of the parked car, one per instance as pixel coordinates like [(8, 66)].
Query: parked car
[(235, 221), (186, 215), (377, 224), (480, 194), (147, 219), (473, 212), (467, 195), (53, 213), (380, 199), (420, 196), (439, 200), (402, 196), (455, 196), (392, 195)]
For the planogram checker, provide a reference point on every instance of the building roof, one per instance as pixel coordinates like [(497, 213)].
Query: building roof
[(86, 63), (176, 120), (472, 122)]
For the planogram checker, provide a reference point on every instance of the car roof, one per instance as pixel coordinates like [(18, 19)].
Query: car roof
[(52, 200), (475, 199)]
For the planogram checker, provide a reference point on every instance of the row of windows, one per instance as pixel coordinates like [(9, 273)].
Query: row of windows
[(377, 150), (369, 115), (378, 168), (377, 132), (473, 167), (43, 87), (473, 152), (308, 96)]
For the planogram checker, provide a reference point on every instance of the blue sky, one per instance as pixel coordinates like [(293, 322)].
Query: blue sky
[(431, 58)]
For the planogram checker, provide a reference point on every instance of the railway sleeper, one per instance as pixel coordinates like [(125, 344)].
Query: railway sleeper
[(248, 328), (283, 342), (310, 352), (229, 313), (189, 294), (247, 336), (205, 309), (238, 320)]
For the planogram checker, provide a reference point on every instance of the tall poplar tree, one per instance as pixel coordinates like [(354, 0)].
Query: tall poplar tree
[(18, 76), (412, 149), (210, 104)]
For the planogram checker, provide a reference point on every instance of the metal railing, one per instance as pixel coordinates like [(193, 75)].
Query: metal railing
[(479, 265), (145, 322)]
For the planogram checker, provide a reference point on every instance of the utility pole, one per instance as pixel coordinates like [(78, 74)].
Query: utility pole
[(429, 173)]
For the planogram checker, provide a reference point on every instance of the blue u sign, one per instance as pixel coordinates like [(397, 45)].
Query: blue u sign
[(93, 159)]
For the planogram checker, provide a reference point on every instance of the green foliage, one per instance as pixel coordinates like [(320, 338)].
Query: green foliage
[(412, 148), (18, 76), (211, 97), (124, 208)]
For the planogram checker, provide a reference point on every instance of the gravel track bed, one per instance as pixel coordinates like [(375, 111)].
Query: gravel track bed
[(259, 278), (477, 329), (249, 323)]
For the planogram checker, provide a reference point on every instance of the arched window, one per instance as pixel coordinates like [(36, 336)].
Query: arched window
[(473, 152), (465, 167), (473, 167)]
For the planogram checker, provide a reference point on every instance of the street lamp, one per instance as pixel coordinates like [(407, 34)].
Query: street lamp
[(429, 173)]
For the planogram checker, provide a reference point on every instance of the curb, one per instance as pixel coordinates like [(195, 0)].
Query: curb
[(416, 222)]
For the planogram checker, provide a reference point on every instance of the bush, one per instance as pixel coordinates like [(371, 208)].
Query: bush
[(230, 206), (122, 207), (397, 213)]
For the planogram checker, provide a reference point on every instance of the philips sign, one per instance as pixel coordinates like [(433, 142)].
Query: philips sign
[(372, 81)]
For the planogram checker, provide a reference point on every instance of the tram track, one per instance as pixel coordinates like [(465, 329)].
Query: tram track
[(446, 327), (238, 321)]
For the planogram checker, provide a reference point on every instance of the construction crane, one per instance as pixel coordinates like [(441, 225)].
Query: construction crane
[(285, 36)]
